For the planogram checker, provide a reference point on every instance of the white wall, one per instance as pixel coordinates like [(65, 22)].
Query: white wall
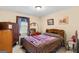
[(70, 28), (10, 16)]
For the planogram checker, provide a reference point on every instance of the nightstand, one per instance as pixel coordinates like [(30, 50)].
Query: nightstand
[(77, 46), (22, 36), (72, 45)]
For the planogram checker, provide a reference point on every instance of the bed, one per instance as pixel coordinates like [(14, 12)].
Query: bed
[(44, 43)]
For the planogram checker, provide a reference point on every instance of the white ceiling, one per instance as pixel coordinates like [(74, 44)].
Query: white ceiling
[(30, 10)]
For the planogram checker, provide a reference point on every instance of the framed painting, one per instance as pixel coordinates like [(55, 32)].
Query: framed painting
[(33, 24), (64, 20), (50, 21)]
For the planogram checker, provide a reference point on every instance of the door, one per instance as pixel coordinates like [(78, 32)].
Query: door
[(23, 23)]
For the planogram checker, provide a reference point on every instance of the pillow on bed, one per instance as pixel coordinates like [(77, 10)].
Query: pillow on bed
[(54, 35)]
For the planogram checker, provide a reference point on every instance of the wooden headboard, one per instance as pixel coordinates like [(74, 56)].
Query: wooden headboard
[(56, 31)]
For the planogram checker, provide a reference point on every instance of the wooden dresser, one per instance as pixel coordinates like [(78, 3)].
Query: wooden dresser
[(6, 41), (13, 27)]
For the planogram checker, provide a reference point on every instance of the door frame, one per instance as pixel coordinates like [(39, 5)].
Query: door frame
[(28, 23)]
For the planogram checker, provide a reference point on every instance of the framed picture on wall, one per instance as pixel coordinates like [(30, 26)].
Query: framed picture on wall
[(33, 24), (50, 21)]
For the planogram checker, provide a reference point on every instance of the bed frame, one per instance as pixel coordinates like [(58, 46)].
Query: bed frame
[(56, 31), (45, 48)]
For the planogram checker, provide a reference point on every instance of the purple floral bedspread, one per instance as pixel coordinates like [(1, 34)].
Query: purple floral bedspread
[(41, 39)]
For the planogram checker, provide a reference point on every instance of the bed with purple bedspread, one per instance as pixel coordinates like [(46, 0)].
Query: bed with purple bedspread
[(42, 43)]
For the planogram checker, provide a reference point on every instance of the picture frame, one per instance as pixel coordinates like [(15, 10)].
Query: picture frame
[(50, 21), (33, 24), (64, 20)]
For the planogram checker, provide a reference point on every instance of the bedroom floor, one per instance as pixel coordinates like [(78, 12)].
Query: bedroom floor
[(18, 49)]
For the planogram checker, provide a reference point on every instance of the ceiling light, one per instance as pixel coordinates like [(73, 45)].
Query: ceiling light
[(38, 7)]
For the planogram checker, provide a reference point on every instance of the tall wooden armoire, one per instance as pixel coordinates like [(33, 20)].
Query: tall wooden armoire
[(14, 29)]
